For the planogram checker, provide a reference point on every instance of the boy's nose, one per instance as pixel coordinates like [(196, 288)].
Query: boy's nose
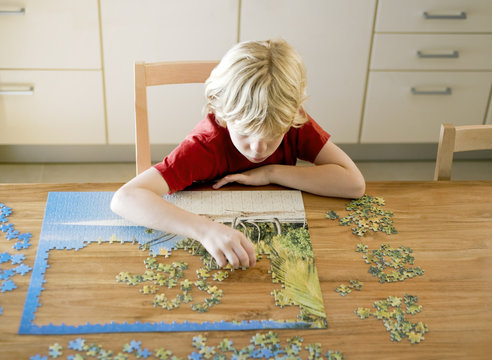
[(259, 146)]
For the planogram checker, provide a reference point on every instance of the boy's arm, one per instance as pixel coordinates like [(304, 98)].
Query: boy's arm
[(140, 201), (335, 174)]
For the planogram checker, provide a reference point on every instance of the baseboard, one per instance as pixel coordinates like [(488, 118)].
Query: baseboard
[(126, 153)]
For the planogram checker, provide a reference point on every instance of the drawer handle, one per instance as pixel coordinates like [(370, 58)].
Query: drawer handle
[(28, 91), (460, 16), (452, 55), (446, 91), (13, 12)]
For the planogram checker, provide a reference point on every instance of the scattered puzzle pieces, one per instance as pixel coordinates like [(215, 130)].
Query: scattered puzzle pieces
[(22, 243), (392, 313), (366, 213), (261, 346), (168, 275)]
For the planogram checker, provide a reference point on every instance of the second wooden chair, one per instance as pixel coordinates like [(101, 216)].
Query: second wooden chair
[(456, 139)]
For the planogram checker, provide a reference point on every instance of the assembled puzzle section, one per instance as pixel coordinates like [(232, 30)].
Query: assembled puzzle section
[(95, 272)]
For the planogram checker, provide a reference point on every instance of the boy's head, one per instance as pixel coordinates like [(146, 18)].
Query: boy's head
[(258, 89)]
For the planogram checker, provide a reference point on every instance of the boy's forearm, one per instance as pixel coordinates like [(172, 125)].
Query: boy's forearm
[(324, 180), (148, 209)]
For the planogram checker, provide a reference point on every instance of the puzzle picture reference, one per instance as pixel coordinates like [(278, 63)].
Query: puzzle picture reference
[(96, 272)]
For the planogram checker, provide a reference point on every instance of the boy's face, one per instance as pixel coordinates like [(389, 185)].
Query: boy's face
[(253, 148)]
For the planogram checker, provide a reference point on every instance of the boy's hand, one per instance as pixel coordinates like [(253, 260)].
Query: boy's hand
[(226, 244), (255, 177)]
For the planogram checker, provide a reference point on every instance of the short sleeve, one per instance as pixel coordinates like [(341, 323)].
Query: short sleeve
[(311, 138), (191, 161)]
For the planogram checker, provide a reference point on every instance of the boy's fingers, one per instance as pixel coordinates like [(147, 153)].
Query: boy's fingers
[(250, 249), (227, 179), (219, 257), (232, 258), (243, 256), (220, 183)]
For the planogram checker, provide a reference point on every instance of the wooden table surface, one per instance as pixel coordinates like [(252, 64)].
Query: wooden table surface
[(447, 224)]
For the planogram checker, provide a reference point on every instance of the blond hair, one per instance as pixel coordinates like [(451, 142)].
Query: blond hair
[(258, 88)]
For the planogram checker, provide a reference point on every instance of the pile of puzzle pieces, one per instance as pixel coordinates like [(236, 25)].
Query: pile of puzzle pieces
[(392, 314), (261, 346), (387, 257), (366, 213)]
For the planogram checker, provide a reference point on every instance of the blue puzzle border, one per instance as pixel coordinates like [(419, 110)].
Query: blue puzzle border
[(32, 303)]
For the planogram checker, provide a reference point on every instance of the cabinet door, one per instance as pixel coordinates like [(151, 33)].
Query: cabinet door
[(161, 30), (333, 37), (409, 107), (51, 107), (49, 34)]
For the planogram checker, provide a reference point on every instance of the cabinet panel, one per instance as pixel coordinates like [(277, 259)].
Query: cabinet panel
[(158, 30), (49, 34), (394, 114), (434, 16), (333, 37), (431, 52), (51, 107)]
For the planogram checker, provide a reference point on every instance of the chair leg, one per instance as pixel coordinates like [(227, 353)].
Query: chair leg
[(445, 151)]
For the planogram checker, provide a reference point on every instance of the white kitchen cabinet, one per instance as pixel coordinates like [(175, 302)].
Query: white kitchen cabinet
[(51, 86), (51, 107), (409, 107), (334, 38), (157, 30), (421, 77), (49, 34)]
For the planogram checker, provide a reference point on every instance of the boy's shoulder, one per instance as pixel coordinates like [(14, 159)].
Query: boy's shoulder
[(207, 129)]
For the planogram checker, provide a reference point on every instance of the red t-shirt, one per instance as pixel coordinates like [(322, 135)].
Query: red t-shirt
[(207, 153)]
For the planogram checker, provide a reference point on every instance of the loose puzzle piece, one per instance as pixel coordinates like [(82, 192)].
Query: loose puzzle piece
[(261, 346), (387, 258), (366, 213), (392, 312)]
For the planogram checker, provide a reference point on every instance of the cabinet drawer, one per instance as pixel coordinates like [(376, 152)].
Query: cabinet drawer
[(49, 34), (394, 114), (51, 107), (434, 16), (432, 52)]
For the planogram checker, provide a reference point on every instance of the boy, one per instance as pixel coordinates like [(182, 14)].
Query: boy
[(253, 134)]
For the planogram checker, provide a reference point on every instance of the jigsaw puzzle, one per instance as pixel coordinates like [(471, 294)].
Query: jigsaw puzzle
[(95, 272)]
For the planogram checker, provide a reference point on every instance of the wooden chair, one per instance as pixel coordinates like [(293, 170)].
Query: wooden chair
[(456, 139), (160, 73)]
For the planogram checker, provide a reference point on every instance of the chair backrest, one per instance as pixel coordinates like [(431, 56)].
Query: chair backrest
[(160, 73), (456, 139)]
